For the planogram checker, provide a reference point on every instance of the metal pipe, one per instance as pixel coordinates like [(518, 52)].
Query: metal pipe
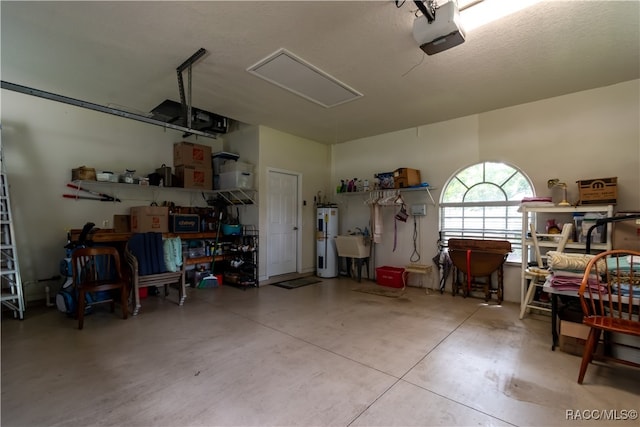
[(96, 107)]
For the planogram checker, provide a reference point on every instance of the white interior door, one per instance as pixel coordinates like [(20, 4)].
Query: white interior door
[(282, 248)]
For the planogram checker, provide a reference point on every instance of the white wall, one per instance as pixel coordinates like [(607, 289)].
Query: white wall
[(279, 150), (590, 134)]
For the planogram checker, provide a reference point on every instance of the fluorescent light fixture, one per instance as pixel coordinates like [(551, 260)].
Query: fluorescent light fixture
[(284, 69), (474, 13)]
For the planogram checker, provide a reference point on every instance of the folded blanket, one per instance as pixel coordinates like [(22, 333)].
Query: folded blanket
[(623, 289), (623, 263), (148, 249), (566, 261)]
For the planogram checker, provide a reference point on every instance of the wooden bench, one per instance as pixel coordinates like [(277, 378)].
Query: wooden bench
[(159, 279)]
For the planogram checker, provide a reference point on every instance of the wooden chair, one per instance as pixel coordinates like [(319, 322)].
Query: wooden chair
[(98, 269), (610, 297), (157, 279)]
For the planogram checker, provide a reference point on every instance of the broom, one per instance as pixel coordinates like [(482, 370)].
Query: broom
[(211, 281)]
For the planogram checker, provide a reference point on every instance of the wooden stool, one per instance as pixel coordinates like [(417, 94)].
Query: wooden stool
[(420, 269)]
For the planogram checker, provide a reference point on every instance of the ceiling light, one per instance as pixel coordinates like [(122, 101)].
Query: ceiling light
[(284, 69), (474, 13)]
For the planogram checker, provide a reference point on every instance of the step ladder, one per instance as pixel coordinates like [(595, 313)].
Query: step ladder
[(12, 296)]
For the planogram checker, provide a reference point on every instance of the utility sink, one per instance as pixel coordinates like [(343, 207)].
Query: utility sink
[(353, 246)]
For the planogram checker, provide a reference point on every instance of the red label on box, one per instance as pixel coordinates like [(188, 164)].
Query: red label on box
[(198, 177), (198, 154)]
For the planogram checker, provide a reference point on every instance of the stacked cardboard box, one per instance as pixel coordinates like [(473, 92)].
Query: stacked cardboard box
[(193, 165)]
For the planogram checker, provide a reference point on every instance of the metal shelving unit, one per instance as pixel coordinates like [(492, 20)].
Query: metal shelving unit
[(231, 196), (399, 190)]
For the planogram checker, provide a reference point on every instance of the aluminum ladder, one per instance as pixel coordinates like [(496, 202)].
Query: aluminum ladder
[(12, 295)]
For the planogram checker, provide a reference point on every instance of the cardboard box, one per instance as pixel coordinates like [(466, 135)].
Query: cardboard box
[(146, 219), (122, 223), (574, 329), (571, 345), (600, 191), (190, 154), (181, 223), (406, 177), (194, 177), (626, 234), (573, 337)]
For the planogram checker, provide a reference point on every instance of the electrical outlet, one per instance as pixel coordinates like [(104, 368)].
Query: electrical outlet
[(419, 210)]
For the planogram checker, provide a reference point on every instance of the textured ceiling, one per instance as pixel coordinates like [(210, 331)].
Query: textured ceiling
[(125, 54)]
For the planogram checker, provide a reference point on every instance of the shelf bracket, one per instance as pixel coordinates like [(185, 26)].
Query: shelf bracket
[(236, 196)]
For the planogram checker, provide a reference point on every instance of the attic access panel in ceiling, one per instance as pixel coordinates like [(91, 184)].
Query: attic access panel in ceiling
[(171, 112), (294, 74)]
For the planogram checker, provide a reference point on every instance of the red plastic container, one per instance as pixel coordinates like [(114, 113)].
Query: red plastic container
[(390, 276)]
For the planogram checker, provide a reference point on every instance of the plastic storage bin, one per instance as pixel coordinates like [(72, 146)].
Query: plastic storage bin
[(390, 276), (237, 179), (236, 167)]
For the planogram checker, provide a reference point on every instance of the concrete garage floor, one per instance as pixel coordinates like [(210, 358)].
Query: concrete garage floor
[(314, 356)]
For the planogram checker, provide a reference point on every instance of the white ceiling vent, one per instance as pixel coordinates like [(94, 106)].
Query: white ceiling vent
[(284, 69)]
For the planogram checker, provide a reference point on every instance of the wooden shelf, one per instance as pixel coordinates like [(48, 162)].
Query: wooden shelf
[(107, 235), (203, 260)]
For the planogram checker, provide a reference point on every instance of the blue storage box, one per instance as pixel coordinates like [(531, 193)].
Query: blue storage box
[(185, 223), (231, 230)]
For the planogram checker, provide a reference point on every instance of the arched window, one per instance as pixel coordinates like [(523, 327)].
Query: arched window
[(482, 201)]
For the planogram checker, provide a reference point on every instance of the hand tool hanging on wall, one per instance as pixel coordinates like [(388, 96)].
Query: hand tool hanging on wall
[(100, 196)]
